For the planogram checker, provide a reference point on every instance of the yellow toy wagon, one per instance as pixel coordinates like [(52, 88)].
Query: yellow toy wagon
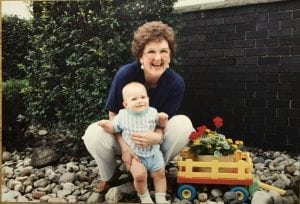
[(234, 170)]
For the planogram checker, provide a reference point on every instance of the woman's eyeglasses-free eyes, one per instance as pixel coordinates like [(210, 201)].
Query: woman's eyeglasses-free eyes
[(162, 53)]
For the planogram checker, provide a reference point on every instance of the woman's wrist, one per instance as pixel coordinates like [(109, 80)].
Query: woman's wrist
[(120, 140), (160, 133), (161, 139)]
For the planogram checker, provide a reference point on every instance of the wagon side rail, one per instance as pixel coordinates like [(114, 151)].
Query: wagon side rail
[(237, 171)]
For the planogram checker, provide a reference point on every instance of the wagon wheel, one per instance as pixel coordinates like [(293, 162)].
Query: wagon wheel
[(186, 192), (241, 192)]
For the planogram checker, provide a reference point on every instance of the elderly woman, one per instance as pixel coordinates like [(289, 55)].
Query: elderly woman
[(153, 46)]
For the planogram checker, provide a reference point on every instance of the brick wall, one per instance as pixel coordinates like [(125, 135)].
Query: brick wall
[(243, 63)]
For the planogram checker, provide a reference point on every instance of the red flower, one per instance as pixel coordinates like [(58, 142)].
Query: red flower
[(194, 135), (201, 130), (199, 133), (218, 121)]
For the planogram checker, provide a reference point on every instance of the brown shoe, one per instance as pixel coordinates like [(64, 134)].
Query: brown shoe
[(104, 186)]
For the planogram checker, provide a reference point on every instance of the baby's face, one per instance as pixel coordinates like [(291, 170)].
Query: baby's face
[(136, 99)]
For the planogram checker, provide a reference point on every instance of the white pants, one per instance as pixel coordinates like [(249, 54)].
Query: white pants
[(103, 146)]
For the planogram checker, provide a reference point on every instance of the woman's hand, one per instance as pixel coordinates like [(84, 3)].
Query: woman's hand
[(147, 139), (127, 154)]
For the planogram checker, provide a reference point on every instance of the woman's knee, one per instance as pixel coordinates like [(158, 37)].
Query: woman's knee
[(95, 135), (179, 124), (181, 121)]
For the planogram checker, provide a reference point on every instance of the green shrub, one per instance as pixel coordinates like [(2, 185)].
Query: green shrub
[(13, 92), (16, 33), (78, 47)]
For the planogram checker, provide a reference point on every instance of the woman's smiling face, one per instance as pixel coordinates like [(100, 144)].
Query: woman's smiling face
[(156, 58)]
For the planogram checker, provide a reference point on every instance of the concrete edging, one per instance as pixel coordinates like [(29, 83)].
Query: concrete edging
[(217, 4)]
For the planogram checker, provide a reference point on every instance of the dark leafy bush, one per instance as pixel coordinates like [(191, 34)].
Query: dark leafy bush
[(78, 47), (13, 107), (16, 33)]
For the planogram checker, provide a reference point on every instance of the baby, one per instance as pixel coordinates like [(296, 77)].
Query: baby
[(136, 117)]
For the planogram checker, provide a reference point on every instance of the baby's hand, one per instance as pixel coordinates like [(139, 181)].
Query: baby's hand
[(103, 123), (162, 116)]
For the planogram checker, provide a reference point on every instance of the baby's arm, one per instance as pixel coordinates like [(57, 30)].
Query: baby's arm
[(107, 125), (162, 119)]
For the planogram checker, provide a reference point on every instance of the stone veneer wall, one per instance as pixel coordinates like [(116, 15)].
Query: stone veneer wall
[(243, 64)]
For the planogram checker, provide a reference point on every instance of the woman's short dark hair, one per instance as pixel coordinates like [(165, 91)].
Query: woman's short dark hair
[(155, 30)]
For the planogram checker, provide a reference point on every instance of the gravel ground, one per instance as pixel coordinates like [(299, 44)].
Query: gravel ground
[(60, 170)]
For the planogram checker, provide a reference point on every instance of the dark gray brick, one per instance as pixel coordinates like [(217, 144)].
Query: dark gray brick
[(290, 77), (206, 14), (203, 30), (226, 61), (228, 28), (286, 32), (267, 25), (255, 103), (289, 41), (295, 104), (246, 60), (267, 42), (255, 51), (235, 36), (281, 95), (290, 60), (283, 103), (281, 86), (245, 10), (269, 77), (215, 21), (193, 23), (256, 34), (268, 60), (234, 52), (244, 43), (246, 77), (296, 50), (246, 27), (264, 111), (257, 17), (294, 122), (267, 8), (256, 86), (215, 37), (195, 38), (280, 15), (296, 14), (263, 94), (296, 32), (206, 61), (218, 44), (225, 12), (234, 19), (290, 23), (279, 51)]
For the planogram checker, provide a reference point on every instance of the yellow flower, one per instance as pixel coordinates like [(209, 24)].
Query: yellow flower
[(208, 130), (196, 141), (211, 135), (234, 146), (239, 142), (229, 140)]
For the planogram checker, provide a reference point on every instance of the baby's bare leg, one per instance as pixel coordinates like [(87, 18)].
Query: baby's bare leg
[(159, 180), (139, 173), (160, 185)]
